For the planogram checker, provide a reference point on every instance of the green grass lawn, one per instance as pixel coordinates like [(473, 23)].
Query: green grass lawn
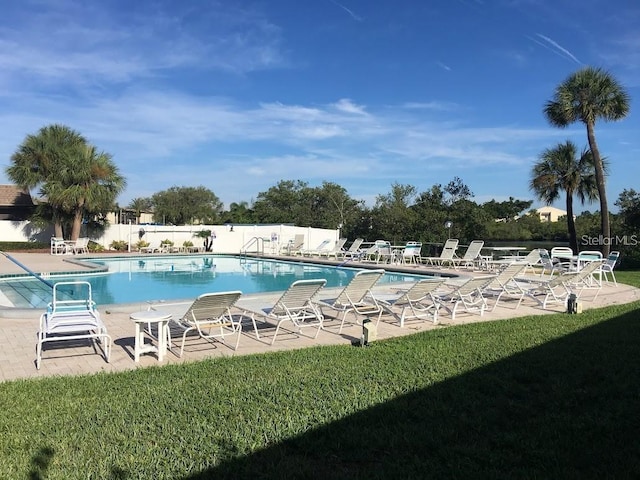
[(548, 397)]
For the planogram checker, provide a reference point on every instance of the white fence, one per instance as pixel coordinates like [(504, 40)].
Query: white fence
[(226, 238)]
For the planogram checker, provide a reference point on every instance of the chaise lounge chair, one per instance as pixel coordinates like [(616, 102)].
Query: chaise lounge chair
[(71, 316), (357, 297), (419, 301), (446, 256), (296, 305), (471, 257), (336, 251), (210, 316), (469, 296)]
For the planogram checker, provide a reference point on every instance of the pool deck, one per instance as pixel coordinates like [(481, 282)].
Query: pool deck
[(18, 328)]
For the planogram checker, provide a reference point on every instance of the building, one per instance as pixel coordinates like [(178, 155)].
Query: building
[(16, 203), (550, 214)]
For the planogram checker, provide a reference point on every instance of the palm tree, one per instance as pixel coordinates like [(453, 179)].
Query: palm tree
[(588, 95), (75, 178), (559, 170), (139, 205), (37, 161)]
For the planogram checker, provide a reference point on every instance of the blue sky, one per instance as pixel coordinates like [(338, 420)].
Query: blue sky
[(238, 95)]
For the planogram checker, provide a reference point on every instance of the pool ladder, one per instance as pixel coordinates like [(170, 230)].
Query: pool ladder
[(258, 242)]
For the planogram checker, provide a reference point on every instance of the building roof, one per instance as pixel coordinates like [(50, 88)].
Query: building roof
[(14, 196), (549, 208)]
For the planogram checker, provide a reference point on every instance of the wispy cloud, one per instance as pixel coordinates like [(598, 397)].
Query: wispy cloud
[(357, 18), (555, 47), (443, 66)]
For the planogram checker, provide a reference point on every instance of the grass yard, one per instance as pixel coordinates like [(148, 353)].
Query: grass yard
[(551, 396)]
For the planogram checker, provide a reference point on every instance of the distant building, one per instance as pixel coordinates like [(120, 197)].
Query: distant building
[(126, 215), (16, 203), (550, 214)]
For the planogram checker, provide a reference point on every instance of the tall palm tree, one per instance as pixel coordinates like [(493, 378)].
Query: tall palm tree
[(37, 162), (139, 205), (75, 178), (560, 170), (586, 96)]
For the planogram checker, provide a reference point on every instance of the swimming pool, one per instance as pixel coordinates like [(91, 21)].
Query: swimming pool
[(141, 279)]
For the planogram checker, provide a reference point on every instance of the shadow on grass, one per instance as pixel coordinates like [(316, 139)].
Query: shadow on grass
[(569, 408)]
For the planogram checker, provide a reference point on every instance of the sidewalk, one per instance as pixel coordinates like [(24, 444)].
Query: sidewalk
[(18, 333)]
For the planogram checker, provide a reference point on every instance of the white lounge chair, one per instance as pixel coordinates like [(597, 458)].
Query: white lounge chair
[(336, 251), (471, 257), (357, 297), (296, 305), (548, 265), (419, 301), (446, 256), (469, 296), (71, 316), (294, 247), (210, 316), (315, 252), (354, 249), (558, 288), (505, 284)]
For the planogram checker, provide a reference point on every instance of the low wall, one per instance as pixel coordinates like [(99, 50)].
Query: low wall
[(228, 239)]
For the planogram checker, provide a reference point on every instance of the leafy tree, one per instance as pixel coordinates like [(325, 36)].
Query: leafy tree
[(508, 210), (393, 215), (457, 190), (586, 96), (239, 213), (335, 208), (629, 217), (285, 202), (77, 180), (560, 170), (139, 205), (186, 205)]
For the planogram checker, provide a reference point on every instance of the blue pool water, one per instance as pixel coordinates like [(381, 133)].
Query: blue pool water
[(140, 279)]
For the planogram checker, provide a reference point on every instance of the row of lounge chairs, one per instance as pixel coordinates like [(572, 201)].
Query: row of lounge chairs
[(302, 305)]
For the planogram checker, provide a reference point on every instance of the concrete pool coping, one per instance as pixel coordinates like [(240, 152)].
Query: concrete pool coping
[(18, 329)]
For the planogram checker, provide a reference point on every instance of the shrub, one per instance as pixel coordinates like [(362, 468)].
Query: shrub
[(119, 245)]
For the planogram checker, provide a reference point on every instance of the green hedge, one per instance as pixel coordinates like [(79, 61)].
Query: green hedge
[(12, 246)]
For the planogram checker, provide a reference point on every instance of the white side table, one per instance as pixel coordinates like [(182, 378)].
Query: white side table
[(162, 322)]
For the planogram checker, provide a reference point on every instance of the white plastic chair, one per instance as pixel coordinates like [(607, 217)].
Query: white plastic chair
[(210, 315), (609, 265), (72, 315), (357, 297), (296, 305)]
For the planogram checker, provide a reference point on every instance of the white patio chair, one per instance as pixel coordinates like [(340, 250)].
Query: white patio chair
[(357, 297), (81, 245), (609, 265), (59, 246), (471, 257), (446, 256), (505, 284), (411, 253), (354, 249), (469, 296), (336, 251), (296, 305), (72, 316), (210, 316), (418, 302)]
